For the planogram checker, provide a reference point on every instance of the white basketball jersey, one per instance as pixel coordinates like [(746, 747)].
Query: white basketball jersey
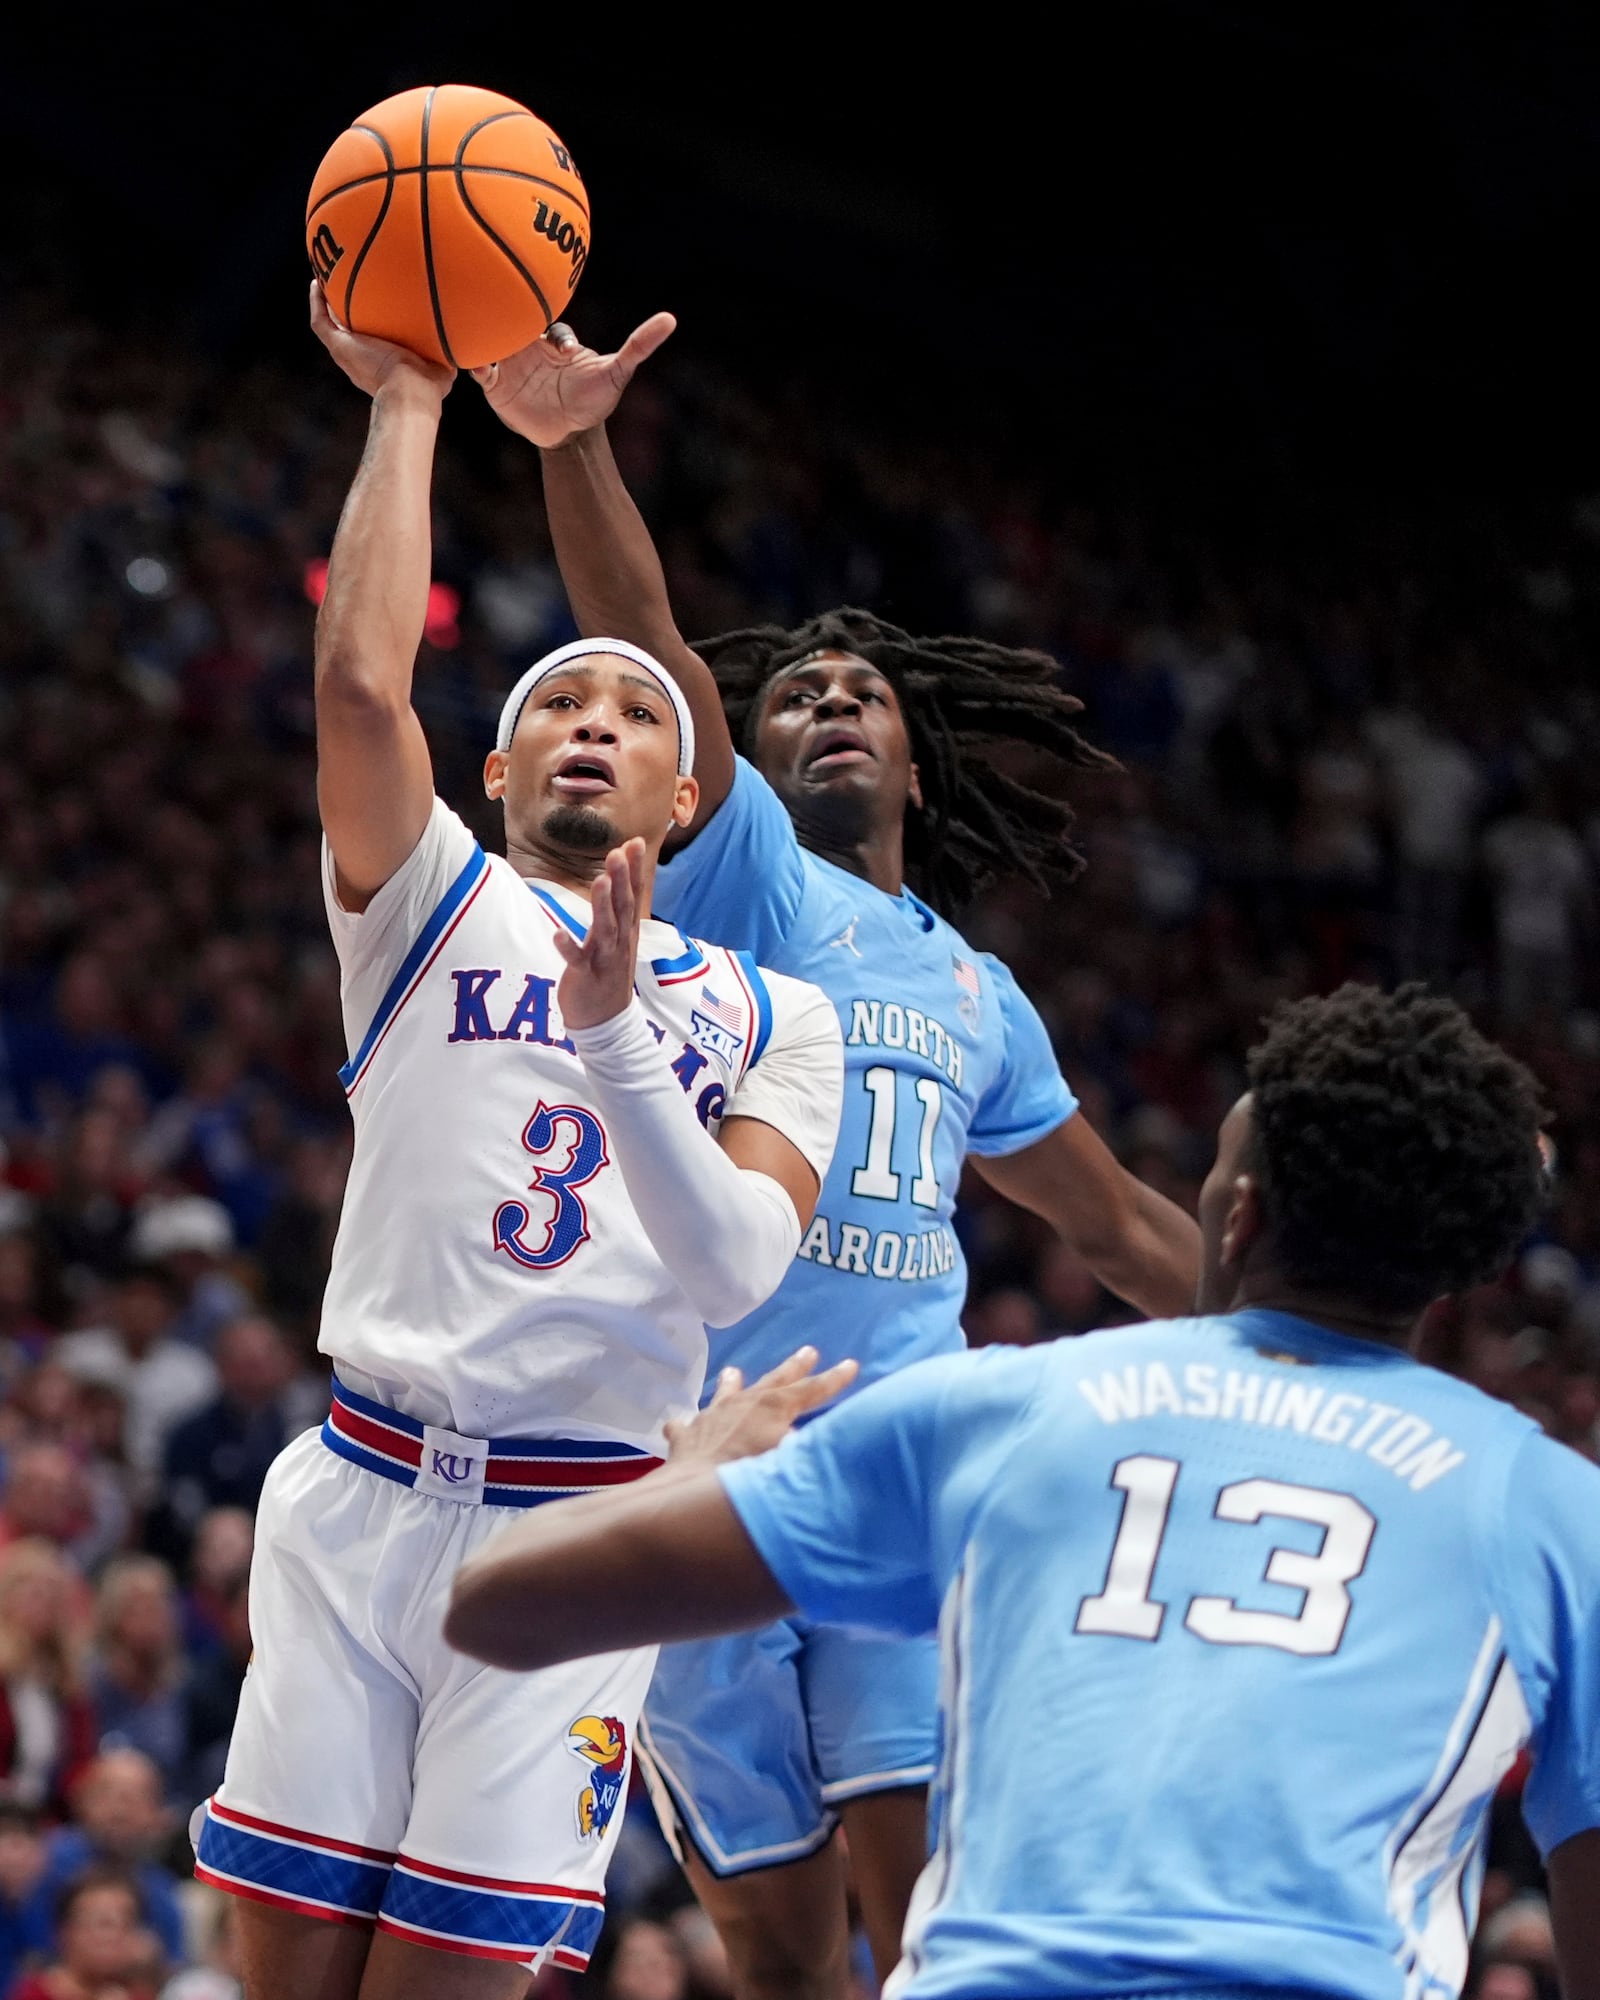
[(490, 1275)]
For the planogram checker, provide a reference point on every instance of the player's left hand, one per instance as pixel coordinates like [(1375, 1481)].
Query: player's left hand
[(556, 387), (740, 1422), (598, 981)]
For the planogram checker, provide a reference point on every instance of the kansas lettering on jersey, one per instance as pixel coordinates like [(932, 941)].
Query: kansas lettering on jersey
[(943, 1057), (1242, 1621), (490, 1274)]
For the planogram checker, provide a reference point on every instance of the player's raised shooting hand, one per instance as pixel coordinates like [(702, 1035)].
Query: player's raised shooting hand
[(740, 1422), (556, 387), (373, 364), (598, 981)]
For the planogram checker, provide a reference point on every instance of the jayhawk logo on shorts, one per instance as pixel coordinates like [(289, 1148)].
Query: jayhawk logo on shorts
[(602, 1741)]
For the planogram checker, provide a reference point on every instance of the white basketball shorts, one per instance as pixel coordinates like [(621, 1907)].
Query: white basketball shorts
[(377, 1777)]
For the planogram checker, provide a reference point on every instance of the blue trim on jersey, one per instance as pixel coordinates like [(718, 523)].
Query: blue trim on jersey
[(763, 1000), (691, 961), (476, 866), (483, 1916), (282, 1867), (579, 931)]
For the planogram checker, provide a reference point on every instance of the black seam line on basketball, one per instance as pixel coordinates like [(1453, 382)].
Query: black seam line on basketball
[(472, 131), (504, 247), (445, 167), (383, 210), (427, 232), (494, 118)]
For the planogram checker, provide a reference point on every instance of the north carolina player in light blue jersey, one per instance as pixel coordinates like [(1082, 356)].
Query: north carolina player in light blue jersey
[(870, 759), (1243, 1618)]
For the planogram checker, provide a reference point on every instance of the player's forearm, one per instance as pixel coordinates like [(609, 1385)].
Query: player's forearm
[(727, 1235), (1153, 1259), (608, 561), (664, 1560), (375, 610)]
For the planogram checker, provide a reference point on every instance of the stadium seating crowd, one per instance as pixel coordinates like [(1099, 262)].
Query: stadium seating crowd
[(1356, 741)]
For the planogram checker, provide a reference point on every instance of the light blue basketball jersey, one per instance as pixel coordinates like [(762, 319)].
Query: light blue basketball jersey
[(1242, 1622), (943, 1057)]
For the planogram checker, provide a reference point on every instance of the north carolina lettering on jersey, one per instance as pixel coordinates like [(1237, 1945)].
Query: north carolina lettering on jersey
[(881, 1253), (1405, 1444), (887, 1024)]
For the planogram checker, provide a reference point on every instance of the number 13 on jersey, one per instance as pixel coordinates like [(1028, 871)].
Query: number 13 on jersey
[(1125, 1608)]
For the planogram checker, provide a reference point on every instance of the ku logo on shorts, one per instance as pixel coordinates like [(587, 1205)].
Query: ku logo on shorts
[(603, 1741)]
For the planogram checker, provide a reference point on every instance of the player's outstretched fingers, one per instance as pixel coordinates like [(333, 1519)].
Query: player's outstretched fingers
[(812, 1391), (643, 342), (798, 1365)]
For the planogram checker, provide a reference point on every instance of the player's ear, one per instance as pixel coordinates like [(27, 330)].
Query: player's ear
[(494, 773), (914, 787), (1243, 1223), (684, 801)]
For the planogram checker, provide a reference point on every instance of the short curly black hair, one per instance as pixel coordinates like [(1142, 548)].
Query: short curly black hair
[(1397, 1150)]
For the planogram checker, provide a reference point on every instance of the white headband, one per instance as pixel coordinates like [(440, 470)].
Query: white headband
[(581, 649)]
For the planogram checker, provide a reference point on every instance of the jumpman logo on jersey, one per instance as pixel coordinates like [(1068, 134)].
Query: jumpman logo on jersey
[(847, 937)]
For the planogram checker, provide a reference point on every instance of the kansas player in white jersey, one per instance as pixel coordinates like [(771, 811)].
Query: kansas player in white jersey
[(866, 762), (580, 1135), (1243, 1617)]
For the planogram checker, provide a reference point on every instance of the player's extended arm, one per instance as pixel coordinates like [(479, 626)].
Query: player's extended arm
[(557, 394), (666, 1559), (1575, 1913), (374, 779), (1138, 1244)]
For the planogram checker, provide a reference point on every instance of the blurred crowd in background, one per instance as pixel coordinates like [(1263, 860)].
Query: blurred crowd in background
[(1357, 741)]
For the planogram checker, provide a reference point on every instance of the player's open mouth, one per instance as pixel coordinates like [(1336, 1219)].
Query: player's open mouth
[(838, 748), (584, 774)]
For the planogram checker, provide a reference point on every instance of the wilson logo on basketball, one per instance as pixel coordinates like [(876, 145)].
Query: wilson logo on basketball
[(547, 221), (325, 253)]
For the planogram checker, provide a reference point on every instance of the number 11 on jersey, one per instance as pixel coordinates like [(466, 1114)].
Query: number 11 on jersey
[(875, 1177)]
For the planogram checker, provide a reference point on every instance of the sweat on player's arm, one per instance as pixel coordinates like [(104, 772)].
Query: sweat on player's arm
[(681, 1556)]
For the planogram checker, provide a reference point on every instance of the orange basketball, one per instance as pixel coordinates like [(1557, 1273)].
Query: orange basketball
[(450, 220)]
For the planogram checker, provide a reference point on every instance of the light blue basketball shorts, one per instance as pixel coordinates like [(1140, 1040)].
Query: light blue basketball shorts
[(752, 1742)]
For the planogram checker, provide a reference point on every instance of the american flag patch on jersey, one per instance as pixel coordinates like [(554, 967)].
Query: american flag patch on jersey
[(968, 1006), (724, 1011)]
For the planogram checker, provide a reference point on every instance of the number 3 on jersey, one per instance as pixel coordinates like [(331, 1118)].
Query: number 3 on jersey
[(569, 1144)]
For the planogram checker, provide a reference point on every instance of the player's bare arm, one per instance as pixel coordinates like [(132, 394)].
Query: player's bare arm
[(1139, 1245), (374, 778), (1575, 1911), (672, 1560), (558, 393)]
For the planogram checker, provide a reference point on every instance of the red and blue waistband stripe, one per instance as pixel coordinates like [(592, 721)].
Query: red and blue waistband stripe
[(486, 1918), (290, 1869), (522, 1472), (452, 907)]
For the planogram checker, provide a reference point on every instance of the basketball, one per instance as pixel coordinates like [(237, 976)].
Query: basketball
[(450, 220)]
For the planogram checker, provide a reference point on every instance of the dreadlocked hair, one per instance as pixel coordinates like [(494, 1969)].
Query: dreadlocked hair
[(1398, 1150), (963, 700)]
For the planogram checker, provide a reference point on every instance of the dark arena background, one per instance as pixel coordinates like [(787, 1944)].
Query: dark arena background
[(1241, 357)]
